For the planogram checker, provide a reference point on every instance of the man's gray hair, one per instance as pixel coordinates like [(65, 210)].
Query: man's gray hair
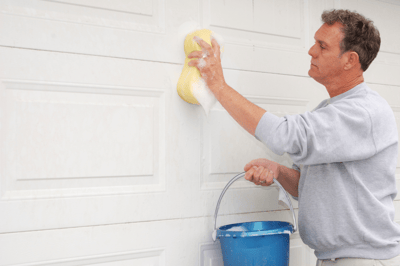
[(360, 34)]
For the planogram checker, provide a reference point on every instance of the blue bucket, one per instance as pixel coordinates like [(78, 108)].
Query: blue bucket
[(254, 243)]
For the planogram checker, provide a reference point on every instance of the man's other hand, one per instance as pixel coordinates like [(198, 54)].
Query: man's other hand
[(262, 171)]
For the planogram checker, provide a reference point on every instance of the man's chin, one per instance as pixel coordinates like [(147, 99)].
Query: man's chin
[(314, 76), (310, 73)]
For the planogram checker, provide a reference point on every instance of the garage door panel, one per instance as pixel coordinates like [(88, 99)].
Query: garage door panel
[(227, 147), (171, 242), (397, 214), (77, 179), (93, 29), (132, 7), (384, 70), (147, 16), (281, 61), (276, 88), (56, 36), (68, 212), (282, 18), (77, 155), (267, 29), (226, 13), (262, 20)]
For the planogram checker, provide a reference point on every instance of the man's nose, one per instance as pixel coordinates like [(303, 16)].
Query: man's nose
[(312, 51)]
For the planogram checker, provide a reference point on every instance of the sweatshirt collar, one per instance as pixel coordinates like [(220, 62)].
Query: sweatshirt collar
[(347, 93)]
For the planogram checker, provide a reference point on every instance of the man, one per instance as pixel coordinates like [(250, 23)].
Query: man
[(344, 151)]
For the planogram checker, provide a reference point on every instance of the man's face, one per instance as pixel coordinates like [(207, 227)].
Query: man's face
[(326, 64)]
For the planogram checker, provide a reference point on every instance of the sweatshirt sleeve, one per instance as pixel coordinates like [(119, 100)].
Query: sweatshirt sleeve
[(297, 168), (338, 132)]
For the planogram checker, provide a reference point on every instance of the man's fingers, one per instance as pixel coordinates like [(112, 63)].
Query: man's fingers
[(260, 172), (263, 176), (270, 178), (257, 162), (203, 45), (216, 47), (249, 174), (248, 166), (193, 62), (257, 174), (196, 54)]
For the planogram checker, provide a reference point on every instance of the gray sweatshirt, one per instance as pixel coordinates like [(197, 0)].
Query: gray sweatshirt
[(346, 151)]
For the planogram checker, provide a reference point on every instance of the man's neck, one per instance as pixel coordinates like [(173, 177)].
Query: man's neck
[(343, 85)]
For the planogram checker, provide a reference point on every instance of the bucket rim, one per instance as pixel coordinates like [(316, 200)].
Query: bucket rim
[(286, 228), (214, 233)]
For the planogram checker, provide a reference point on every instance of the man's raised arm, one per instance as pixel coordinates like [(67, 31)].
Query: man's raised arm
[(246, 113)]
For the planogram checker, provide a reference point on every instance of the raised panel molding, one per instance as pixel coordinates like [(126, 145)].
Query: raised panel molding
[(396, 204), (48, 111), (211, 254), (396, 109), (298, 252), (155, 257), (393, 2), (132, 7), (147, 16), (226, 147), (282, 28)]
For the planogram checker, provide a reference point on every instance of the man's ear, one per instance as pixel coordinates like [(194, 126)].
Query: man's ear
[(352, 60)]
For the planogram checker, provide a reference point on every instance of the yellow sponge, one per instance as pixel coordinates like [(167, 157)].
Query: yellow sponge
[(191, 75)]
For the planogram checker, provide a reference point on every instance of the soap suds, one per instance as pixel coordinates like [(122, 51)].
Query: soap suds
[(187, 28), (287, 232), (203, 95), (237, 229), (202, 63)]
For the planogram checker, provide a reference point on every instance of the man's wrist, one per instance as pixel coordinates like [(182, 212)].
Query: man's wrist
[(217, 87), (279, 172)]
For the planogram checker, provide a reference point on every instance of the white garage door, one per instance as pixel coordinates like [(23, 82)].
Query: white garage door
[(103, 164)]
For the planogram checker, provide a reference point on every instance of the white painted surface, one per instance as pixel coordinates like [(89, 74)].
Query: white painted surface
[(103, 164)]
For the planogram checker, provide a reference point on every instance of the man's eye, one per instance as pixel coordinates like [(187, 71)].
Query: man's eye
[(322, 47)]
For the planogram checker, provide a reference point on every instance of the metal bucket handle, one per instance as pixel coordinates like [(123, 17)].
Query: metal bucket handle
[(214, 235)]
